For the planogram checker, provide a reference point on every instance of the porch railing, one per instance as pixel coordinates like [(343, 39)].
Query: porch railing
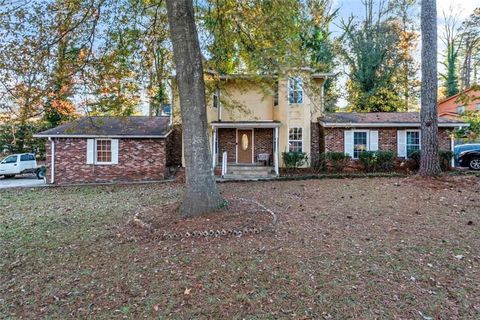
[(224, 164)]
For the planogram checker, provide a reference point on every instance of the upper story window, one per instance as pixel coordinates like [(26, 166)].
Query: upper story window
[(275, 93), (477, 107), (295, 90), (295, 140), (104, 151), (460, 109), (216, 101)]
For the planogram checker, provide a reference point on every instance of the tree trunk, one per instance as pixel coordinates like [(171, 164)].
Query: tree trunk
[(201, 194), (429, 164)]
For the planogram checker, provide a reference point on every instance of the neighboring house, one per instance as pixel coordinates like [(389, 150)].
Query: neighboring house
[(253, 120), (108, 149), (399, 132), (453, 106)]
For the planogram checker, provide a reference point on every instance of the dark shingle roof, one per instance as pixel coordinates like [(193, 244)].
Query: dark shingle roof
[(157, 127), (381, 118)]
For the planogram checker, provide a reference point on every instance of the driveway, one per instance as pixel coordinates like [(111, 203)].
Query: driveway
[(21, 181)]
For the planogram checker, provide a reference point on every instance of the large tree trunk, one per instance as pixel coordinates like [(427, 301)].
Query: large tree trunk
[(429, 164), (201, 194)]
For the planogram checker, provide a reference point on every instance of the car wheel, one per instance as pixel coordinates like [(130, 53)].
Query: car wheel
[(8, 176), (40, 173), (474, 164)]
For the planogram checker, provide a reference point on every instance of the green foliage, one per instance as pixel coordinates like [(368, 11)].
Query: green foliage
[(338, 160), (18, 137), (472, 131), (446, 157), (294, 160), (450, 78), (377, 160)]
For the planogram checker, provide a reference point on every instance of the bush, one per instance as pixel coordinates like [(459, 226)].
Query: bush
[(294, 160), (377, 160), (445, 159), (337, 159), (318, 162)]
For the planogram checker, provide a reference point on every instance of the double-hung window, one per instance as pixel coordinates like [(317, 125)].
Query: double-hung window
[(295, 140), (477, 107), (360, 142), (295, 90), (413, 142), (103, 151), (460, 109)]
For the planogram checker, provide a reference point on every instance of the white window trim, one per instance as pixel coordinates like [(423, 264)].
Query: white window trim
[(301, 90), (288, 137), (419, 140), (95, 150), (353, 141)]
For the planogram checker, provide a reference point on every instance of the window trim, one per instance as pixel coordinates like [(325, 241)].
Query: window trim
[(367, 132), (406, 141), (215, 100), (461, 107), (96, 152), (296, 79), (288, 138)]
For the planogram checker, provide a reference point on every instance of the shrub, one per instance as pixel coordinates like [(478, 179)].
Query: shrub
[(337, 159), (415, 156), (445, 159), (294, 160), (318, 162), (377, 160)]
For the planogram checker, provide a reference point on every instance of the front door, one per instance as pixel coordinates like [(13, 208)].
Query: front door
[(244, 146)]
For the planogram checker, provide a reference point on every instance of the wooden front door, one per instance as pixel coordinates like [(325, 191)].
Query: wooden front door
[(244, 146)]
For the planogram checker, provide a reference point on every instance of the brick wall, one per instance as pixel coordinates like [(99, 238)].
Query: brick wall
[(387, 139), (138, 160), (174, 147), (227, 141), (263, 142)]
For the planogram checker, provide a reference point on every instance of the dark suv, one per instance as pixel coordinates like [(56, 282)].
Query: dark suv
[(468, 155)]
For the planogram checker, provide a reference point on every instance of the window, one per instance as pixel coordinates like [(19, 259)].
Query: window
[(27, 157), (477, 107), (215, 100), (461, 109), (413, 142), (166, 110), (11, 159), (104, 151), (295, 140), (360, 143), (295, 90), (275, 94)]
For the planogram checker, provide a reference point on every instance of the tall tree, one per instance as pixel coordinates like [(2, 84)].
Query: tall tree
[(429, 163), (470, 51), (201, 194), (452, 40)]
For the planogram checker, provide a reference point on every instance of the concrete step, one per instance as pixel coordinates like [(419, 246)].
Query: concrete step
[(243, 177)]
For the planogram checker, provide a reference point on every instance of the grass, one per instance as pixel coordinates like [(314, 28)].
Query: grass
[(352, 248)]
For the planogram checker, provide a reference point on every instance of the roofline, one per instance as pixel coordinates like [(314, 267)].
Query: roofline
[(113, 136), (249, 125), (385, 124), (454, 96)]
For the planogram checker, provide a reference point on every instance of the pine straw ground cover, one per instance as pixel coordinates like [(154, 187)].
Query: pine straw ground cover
[(366, 248)]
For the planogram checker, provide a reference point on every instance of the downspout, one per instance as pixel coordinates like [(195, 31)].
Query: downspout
[(52, 166)]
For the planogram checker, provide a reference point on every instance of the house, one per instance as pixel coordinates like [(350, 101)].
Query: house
[(108, 149), (252, 120), (352, 132), (454, 106)]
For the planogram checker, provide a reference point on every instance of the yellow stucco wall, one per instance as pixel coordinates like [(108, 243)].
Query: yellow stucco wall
[(252, 101)]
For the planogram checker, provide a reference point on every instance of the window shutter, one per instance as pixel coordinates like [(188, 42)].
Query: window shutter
[(402, 143), (114, 151), (348, 142), (90, 151), (373, 140)]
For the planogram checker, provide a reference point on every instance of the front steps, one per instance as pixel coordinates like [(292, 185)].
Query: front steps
[(248, 172)]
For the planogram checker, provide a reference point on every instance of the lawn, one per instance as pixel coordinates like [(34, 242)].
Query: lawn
[(363, 248)]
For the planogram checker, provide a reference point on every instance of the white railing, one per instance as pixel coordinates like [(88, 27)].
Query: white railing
[(224, 164)]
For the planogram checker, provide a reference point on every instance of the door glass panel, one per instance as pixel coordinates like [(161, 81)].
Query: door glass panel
[(244, 142)]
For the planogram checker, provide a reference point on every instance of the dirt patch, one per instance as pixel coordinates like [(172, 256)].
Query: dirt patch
[(240, 217)]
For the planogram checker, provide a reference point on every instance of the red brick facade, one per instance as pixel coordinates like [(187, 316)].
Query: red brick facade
[(387, 139), (227, 141), (138, 160)]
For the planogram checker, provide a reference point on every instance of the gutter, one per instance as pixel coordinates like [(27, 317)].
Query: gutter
[(52, 166), (102, 136), (386, 125)]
